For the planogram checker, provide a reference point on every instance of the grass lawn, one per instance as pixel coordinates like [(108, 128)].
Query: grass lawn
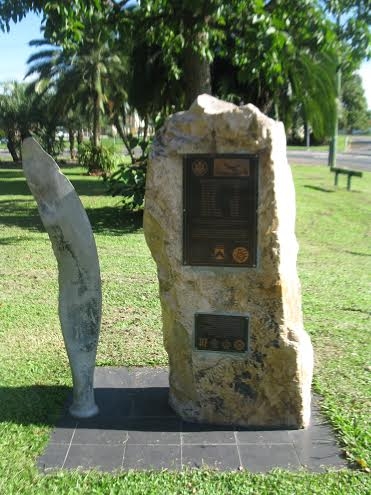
[(333, 228)]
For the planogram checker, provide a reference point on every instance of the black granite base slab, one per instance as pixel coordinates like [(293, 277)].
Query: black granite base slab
[(136, 429)]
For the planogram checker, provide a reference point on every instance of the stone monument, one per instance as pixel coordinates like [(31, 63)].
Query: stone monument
[(80, 296), (220, 223)]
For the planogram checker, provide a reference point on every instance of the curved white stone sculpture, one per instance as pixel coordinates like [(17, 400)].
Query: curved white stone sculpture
[(80, 295)]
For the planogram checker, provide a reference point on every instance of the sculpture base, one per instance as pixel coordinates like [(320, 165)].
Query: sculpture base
[(83, 412)]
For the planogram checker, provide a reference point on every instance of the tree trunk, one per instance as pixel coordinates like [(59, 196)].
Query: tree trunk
[(197, 78), (97, 108), (121, 131), (71, 138), (80, 136), (96, 122), (12, 147)]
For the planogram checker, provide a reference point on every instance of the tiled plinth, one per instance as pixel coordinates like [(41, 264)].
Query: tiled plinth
[(136, 429)]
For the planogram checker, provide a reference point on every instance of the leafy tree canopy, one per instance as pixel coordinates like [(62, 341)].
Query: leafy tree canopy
[(258, 50), (354, 104), (16, 10), (352, 24)]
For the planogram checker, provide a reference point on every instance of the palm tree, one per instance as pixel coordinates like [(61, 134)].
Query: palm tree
[(83, 74), (16, 115)]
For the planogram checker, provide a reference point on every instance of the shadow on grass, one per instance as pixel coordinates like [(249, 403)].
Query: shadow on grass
[(36, 404), (89, 187), (108, 220), (14, 187), (358, 254), (19, 213), (8, 241), (321, 189), (7, 174), (357, 310), (113, 220), (10, 164)]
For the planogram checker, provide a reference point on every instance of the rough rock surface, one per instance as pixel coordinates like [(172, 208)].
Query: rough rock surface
[(80, 297), (271, 385)]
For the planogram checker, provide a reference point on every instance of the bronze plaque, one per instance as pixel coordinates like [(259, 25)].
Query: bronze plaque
[(220, 199), (221, 333)]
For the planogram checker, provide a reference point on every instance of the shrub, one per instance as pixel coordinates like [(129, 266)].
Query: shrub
[(129, 180), (96, 159)]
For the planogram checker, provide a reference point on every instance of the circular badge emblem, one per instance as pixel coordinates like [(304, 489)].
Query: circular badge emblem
[(226, 345), (240, 254), (239, 345), (199, 167)]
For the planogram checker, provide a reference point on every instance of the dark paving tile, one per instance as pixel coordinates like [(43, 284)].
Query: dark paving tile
[(152, 402), (262, 458), (66, 421), (206, 434), (195, 427), (152, 457), (100, 436), (263, 437), (222, 457), (149, 377), (319, 456), (101, 457), (153, 431), (63, 434), (102, 422), (315, 433), (136, 420), (53, 457), (114, 402), (109, 377)]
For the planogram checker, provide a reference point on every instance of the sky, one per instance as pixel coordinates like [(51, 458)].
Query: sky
[(14, 50)]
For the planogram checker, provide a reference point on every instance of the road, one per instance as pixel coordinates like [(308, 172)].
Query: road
[(357, 158), (353, 161)]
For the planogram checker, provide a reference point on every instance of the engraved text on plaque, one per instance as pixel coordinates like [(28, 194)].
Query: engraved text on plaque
[(220, 202), (221, 333)]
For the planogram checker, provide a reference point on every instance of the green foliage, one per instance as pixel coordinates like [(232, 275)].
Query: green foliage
[(15, 11), (16, 115), (84, 63), (351, 24), (96, 159), (156, 54), (129, 180), (354, 103), (22, 111), (48, 140)]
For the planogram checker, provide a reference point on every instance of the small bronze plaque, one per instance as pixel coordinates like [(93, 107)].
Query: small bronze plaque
[(220, 200), (221, 333)]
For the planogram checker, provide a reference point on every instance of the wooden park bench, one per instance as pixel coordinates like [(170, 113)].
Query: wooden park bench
[(349, 173)]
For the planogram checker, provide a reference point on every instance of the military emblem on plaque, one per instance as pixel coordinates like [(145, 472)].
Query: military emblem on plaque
[(239, 345), (199, 167), (202, 343), (219, 253), (226, 345), (240, 254)]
